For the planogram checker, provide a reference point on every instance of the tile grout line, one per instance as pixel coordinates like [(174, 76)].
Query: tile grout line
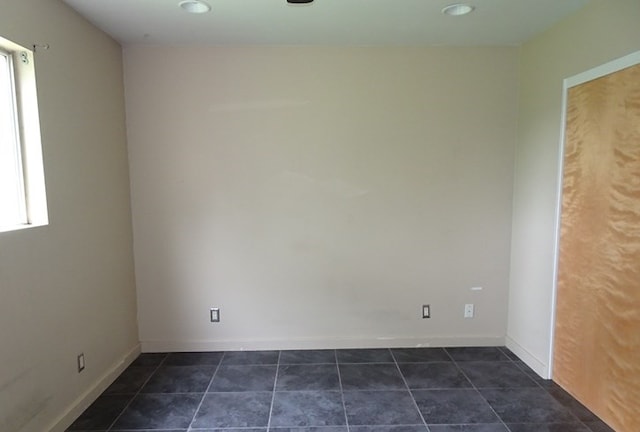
[(344, 405), (273, 395), (546, 390), (527, 374), (395, 361), (195, 413), (139, 390), (534, 379), (476, 388)]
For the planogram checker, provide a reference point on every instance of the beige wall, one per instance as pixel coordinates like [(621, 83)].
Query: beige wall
[(319, 196), (68, 287), (602, 31)]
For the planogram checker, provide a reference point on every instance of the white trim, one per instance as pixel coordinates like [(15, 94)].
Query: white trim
[(556, 234), (602, 70), (79, 405), (318, 343), (581, 78), (529, 359)]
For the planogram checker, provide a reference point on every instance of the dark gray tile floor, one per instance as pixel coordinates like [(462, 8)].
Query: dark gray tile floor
[(481, 389)]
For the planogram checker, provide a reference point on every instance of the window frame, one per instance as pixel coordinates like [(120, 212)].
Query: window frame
[(15, 141), (29, 181)]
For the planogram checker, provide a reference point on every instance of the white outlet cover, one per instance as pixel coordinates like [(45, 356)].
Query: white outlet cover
[(215, 315), (81, 363), (468, 310)]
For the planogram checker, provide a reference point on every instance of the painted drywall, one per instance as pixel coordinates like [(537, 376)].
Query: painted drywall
[(68, 287), (319, 196), (601, 32)]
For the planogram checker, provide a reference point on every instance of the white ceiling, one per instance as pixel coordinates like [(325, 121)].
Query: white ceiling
[(325, 22)]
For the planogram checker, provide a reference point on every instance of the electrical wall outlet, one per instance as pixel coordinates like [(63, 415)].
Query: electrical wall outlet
[(214, 314), (468, 310), (426, 311), (80, 362)]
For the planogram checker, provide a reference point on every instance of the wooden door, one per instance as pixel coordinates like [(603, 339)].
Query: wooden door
[(597, 331)]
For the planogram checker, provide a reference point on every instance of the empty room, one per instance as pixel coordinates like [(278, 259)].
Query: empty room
[(319, 216)]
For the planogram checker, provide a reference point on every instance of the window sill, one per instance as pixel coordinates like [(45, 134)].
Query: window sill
[(21, 227)]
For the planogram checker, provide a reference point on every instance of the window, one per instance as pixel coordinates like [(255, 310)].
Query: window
[(22, 192), (12, 195)]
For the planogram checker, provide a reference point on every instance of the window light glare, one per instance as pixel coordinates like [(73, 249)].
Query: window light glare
[(457, 9), (23, 200), (195, 6), (12, 195)]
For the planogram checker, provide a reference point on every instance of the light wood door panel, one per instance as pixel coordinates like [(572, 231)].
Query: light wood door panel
[(597, 331)]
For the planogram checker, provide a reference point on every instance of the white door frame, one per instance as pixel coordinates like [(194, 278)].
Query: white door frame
[(581, 78)]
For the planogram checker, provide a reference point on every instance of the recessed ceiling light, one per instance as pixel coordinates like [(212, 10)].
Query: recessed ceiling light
[(457, 9), (195, 6)]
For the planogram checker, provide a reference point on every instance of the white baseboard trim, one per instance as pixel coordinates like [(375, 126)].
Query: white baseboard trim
[(539, 367), (319, 343), (78, 406)]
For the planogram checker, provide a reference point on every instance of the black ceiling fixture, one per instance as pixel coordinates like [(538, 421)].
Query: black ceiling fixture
[(299, 1)]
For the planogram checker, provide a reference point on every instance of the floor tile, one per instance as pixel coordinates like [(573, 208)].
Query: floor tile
[(599, 426), (307, 429), (250, 358), (159, 411), (506, 351), (193, 359), (371, 377), (566, 400), (419, 355), (477, 354), (381, 408), (307, 388), (526, 369), (364, 356), (314, 408), (496, 375), (131, 380), (460, 406), (243, 378), (149, 359), (308, 356), (225, 410), (533, 375), (553, 427), (229, 430), (408, 428), (308, 377), (434, 376), (527, 405), (180, 379), (101, 413), (495, 427), (86, 430), (152, 430)]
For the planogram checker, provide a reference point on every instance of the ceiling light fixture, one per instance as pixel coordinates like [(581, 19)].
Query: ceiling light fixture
[(457, 9), (195, 6), (299, 1)]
